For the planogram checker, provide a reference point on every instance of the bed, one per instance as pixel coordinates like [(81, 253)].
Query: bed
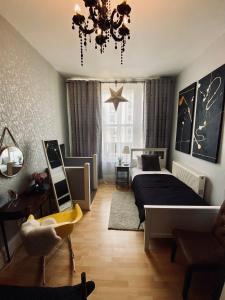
[(167, 200)]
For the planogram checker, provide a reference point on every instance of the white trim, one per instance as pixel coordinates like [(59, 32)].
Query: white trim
[(72, 167), (87, 187)]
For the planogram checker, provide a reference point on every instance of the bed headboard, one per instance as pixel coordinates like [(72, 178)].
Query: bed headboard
[(161, 152), (192, 178)]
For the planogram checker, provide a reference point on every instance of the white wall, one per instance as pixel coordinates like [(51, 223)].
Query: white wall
[(211, 59)]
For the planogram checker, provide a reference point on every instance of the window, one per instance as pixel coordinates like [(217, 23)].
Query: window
[(123, 127)]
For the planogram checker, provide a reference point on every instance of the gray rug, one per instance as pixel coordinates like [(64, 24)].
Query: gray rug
[(123, 212)]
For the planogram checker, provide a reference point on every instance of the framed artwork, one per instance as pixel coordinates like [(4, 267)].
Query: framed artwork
[(209, 115), (186, 104)]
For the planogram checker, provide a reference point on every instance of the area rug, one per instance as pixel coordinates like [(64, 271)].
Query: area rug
[(123, 212)]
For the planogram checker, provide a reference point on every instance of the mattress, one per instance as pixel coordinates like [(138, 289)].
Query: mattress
[(136, 171), (162, 189)]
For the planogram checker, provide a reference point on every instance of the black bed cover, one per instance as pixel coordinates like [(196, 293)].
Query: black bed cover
[(162, 189)]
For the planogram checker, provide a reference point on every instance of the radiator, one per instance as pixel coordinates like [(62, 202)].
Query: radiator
[(190, 177)]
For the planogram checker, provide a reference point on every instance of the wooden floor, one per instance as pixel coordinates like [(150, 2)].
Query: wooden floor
[(115, 260)]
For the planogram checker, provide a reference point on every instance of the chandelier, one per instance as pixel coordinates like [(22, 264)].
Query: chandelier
[(104, 23)]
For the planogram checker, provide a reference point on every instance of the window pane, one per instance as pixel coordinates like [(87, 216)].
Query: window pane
[(121, 127)]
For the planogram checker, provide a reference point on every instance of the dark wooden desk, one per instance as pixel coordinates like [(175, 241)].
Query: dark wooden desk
[(21, 208)]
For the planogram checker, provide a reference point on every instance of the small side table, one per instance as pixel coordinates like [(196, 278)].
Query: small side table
[(122, 175)]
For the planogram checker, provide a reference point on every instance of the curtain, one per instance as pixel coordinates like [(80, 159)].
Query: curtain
[(158, 107), (84, 114), (120, 128)]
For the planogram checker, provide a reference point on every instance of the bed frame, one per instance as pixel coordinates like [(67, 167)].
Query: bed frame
[(82, 175), (160, 220), (161, 152), (184, 217)]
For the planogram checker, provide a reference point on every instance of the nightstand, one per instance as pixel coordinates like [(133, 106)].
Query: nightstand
[(122, 175)]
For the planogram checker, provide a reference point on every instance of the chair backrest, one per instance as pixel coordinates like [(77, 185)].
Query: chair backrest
[(219, 226)]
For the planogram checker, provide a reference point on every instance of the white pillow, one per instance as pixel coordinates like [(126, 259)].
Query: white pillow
[(139, 162), (134, 163)]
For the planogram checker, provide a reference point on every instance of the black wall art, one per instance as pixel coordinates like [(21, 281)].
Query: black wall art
[(209, 115), (186, 105)]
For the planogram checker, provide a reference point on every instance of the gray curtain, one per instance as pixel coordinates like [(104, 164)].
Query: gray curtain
[(84, 105), (158, 110)]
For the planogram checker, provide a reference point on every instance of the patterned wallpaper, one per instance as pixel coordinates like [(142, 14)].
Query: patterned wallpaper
[(32, 102)]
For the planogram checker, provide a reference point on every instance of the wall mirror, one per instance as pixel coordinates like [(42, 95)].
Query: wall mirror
[(11, 161), (11, 157)]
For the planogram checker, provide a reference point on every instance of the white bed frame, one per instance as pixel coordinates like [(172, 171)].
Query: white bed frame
[(184, 217), (160, 220)]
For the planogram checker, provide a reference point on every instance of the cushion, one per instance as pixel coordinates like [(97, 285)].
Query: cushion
[(133, 163), (150, 163), (139, 162), (38, 240)]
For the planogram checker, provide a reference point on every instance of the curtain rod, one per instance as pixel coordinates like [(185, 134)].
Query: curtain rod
[(113, 81), (122, 81)]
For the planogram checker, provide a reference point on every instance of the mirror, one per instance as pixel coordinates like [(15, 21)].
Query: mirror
[(58, 174), (11, 161)]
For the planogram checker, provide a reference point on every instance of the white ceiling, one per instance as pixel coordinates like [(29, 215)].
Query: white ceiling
[(166, 35)]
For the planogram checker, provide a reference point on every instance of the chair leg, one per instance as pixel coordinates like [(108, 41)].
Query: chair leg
[(72, 253), (187, 283), (83, 286), (43, 269), (174, 251), (219, 284)]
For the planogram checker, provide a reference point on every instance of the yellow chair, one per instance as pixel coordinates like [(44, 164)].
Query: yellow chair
[(63, 224)]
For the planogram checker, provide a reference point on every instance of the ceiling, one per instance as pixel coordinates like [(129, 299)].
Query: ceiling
[(165, 35)]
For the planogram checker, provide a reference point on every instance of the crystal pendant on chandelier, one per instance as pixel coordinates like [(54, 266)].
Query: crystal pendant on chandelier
[(104, 24)]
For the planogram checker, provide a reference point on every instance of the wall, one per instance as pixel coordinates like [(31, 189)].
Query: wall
[(32, 102), (211, 59)]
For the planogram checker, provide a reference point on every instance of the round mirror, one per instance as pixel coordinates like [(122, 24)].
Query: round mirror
[(11, 161)]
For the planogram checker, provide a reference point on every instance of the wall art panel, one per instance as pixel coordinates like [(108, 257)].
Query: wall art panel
[(209, 115), (186, 103)]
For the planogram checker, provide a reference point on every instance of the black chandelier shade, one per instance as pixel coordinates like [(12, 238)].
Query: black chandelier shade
[(105, 24)]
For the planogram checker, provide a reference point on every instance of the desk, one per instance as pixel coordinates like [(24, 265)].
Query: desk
[(20, 208)]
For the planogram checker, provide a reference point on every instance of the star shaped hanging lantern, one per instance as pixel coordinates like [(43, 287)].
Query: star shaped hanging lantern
[(116, 97)]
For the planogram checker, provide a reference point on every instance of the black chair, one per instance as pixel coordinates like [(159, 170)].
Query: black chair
[(203, 251), (77, 292)]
